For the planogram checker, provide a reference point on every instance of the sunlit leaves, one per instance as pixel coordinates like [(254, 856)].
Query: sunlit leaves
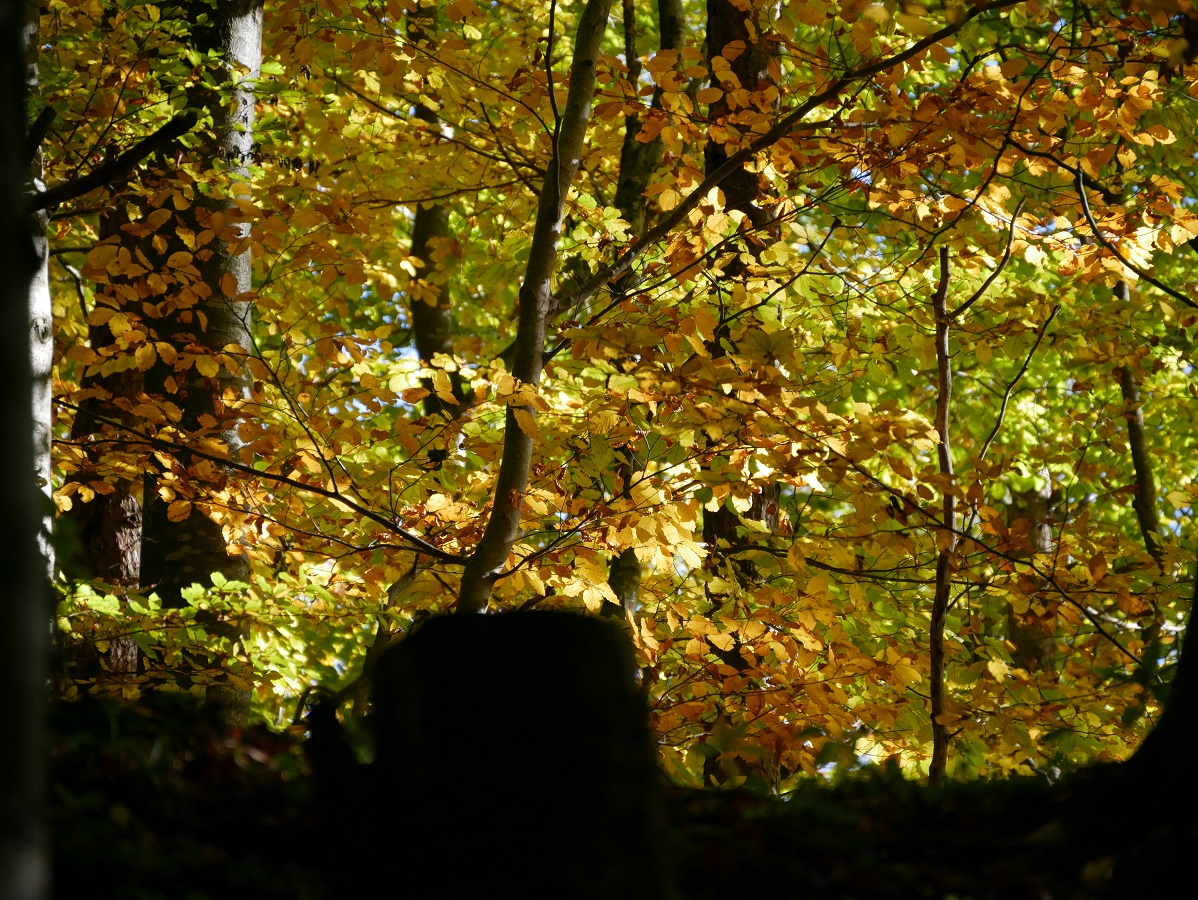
[(784, 364)]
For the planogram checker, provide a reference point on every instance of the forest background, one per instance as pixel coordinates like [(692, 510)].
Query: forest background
[(842, 350)]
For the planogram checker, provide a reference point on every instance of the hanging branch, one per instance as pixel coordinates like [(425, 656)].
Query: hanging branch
[(1006, 397), (946, 538), (486, 564), (117, 166), (176, 450), (1114, 251)]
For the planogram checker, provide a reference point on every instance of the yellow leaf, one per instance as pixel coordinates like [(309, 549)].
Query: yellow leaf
[(603, 421), (1097, 566), (527, 423), (207, 366), (913, 25), (998, 669), (178, 510), (100, 256), (722, 641), (145, 355), (709, 95)]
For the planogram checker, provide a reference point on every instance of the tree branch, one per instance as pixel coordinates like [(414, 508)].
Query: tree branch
[(1006, 397), (1144, 502), (225, 462), (784, 126), (1114, 251), (108, 171)]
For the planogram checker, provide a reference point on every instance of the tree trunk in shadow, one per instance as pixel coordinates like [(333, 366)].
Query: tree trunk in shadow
[(1028, 633), (532, 689), (181, 547)]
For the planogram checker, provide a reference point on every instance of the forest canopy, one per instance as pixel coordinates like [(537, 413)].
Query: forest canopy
[(842, 350)]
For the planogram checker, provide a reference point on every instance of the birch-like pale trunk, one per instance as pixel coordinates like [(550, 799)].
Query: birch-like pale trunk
[(41, 318), (486, 563)]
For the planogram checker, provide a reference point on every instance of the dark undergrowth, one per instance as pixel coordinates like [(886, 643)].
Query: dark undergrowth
[(158, 800)]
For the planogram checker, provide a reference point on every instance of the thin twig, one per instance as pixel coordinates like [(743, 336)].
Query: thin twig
[(1006, 397), (1002, 264)]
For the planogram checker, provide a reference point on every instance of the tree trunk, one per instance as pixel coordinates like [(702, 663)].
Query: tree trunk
[(106, 529), (533, 810), (639, 161), (428, 296), (728, 24), (25, 612), (41, 322), (178, 553), (487, 562), (1030, 643)]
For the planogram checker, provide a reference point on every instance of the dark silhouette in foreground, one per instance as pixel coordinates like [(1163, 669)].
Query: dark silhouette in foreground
[(512, 755)]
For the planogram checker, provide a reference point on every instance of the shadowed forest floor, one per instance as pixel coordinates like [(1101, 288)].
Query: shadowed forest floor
[(157, 800)]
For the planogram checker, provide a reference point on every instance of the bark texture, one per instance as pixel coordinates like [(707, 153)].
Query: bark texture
[(737, 59), (25, 611), (41, 320), (946, 539), (175, 554)]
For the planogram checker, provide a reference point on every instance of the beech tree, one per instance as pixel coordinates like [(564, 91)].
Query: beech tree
[(23, 609), (843, 349)]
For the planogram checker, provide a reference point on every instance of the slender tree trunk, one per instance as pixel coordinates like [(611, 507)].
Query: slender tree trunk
[(487, 562), (946, 539), (177, 553), (1145, 498), (639, 161), (428, 296), (106, 529), (1032, 644), (747, 66), (25, 613), (736, 58), (41, 321)]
